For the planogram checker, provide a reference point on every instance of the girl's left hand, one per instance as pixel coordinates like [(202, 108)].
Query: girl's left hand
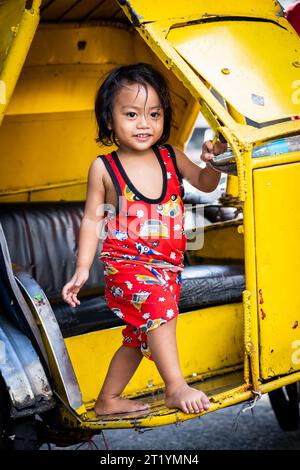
[(210, 150)]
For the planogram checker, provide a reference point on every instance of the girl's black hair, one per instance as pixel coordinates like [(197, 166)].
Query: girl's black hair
[(141, 73)]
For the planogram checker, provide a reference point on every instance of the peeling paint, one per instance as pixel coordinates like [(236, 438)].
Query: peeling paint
[(261, 300), (39, 299), (295, 325), (263, 314), (135, 17)]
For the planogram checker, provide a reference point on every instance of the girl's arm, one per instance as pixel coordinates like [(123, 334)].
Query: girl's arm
[(90, 231), (93, 216), (205, 179)]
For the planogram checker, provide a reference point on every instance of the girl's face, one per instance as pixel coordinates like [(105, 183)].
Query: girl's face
[(138, 120)]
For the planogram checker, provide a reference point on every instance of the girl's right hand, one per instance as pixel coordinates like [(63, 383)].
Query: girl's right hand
[(71, 289)]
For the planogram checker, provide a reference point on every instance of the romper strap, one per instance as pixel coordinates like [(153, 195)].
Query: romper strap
[(114, 179), (179, 175)]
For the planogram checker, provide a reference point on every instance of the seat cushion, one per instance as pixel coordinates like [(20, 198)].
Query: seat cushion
[(202, 286), (42, 238), (211, 284)]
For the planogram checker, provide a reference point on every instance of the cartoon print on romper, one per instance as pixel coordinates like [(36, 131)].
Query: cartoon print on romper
[(151, 324), (144, 249), (164, 282), (148, 280), (118, 312), (154, 228), (171, 208), (127, 339), (130, 196), (109, 269), (120, 234), (116, 291), (141, 249), (138, 298), (161, 285), (145, 350), (179, 278)]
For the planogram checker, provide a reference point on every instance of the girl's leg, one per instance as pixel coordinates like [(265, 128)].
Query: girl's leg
[(122, 367), (163, 347)]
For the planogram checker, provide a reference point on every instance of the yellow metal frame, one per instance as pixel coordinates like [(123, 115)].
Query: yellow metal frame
[(14, 62)]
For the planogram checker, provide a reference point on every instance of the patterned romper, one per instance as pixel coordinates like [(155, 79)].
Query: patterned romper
[(143, 250)]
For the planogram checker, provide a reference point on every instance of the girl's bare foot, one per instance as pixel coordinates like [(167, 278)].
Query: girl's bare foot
[(186, 398), (118, 405)]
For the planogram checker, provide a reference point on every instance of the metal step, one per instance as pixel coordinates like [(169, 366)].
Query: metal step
[(216, 388)]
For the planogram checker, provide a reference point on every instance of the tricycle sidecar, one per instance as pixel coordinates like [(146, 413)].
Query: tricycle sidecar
[(238, 294)]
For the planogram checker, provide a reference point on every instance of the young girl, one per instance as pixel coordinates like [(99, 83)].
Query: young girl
[(145, 240)]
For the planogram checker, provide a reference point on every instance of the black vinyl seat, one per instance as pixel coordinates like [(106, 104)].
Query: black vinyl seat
[(42, 238)]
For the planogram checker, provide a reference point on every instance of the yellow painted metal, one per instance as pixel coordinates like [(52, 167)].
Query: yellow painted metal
[(233, 47), (10, 17), (240, 151), (238, 117), (157, 11), (232, 184), (224, 389), (280, 382), (23, 29), (223, 325), (283, 129), (187, 123), (247, 339), (250, 294), (275, 160), (222, 241), (277, 235)]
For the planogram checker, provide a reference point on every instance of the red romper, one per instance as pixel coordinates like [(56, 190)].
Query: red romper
[(143, 250)]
